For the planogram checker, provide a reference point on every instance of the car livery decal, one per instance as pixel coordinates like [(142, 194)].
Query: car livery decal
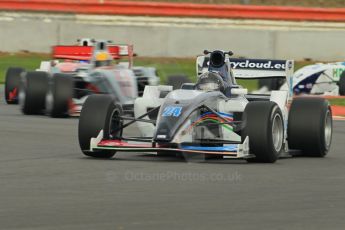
[(13, 95), (306, 85), (337, 72), (172, 111), (258, 64), (227, 148), (211, 117)]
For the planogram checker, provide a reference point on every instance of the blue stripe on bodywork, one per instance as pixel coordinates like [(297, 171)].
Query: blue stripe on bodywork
[(228, 148), (219, 113)]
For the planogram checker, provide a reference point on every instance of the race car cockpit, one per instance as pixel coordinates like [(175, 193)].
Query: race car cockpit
[(101, 55), (210, 81)]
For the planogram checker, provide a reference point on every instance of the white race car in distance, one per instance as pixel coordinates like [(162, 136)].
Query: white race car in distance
[(317, 79)]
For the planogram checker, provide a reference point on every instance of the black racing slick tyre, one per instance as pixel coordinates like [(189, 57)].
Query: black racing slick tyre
[(12, 82), (310, 126), (33, 91), (176, 81), (99, 112), (59, 95), (341, 84), (263, 124)]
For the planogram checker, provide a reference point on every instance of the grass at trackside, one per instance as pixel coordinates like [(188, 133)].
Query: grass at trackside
[(169, 66), (165, 67), (29, 61), (337, 101)]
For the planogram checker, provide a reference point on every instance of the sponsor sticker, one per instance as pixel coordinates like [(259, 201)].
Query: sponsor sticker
[(172, 111), (258, 64), (161, 136), (337, 73)]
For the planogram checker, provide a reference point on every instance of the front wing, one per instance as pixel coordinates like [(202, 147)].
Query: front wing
[(240, 150)]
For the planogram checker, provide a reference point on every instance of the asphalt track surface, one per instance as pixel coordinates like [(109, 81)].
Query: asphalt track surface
[(46, 183)]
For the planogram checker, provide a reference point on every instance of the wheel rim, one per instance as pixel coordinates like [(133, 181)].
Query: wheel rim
[(21, 97), (328, 129), (277, 132), (115, 123), (49, 102)]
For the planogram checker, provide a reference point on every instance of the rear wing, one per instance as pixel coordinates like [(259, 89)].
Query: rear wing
[(84, 53), (263, 68)]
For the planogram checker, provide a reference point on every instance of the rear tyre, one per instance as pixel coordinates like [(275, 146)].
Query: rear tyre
[(59, 95), (33, 91), (99, 112), (310, 126), (12, 82), (176, 81), (341, 84), (263, 124)]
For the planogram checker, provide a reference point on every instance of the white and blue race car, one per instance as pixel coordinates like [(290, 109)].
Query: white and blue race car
[(316, 79), (213, 117)]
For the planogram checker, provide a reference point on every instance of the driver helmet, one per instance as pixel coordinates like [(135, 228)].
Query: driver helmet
[(210, 81), (102, 59)]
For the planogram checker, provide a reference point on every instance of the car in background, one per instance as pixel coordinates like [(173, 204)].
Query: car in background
[(59, 88), (317, 79)]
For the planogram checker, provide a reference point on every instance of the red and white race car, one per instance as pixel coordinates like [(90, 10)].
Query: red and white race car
[(59, 88)]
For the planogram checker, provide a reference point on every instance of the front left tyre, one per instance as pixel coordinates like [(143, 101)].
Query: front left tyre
[(263, 124), (12, 82), (100, 112)]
